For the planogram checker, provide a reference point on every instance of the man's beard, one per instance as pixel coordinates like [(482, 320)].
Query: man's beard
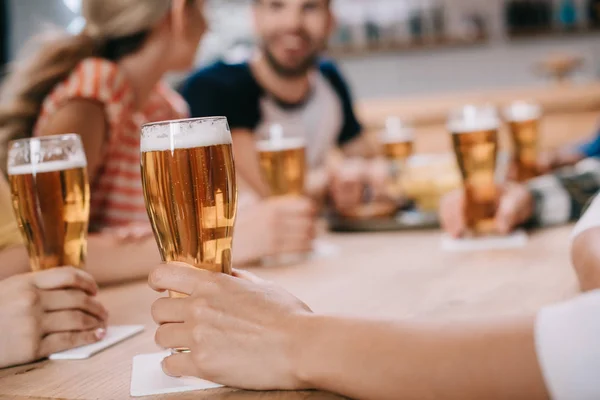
[(291, 72)]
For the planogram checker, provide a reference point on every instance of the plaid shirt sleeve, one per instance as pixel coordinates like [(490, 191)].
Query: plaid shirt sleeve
[(563, 197)]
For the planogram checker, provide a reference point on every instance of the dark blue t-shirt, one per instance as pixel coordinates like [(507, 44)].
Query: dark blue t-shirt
[(326, 115)]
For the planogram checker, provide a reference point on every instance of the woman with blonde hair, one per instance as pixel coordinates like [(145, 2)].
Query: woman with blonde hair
[(104, 84)]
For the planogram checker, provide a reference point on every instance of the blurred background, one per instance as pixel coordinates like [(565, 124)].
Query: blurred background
[(416, 46), (417, 60)]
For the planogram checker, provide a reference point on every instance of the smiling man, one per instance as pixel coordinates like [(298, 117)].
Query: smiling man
[(287, 83)]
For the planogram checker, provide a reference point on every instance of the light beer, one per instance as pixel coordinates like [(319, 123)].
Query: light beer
[(51, 201), (283, 165), (190, 190), (524, 120), (397, 140), (475, 139)]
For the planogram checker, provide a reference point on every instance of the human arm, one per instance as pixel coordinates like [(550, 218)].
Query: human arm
[(108, 253), (87, 119), (246, 161), (585, 252), (273, 341), (549, 200), (109, 257), (110, 260), (287, 226), (570, 155)]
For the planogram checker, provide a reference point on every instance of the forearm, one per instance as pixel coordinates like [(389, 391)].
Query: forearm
[(390, 360), (366, 146), (111, 262), (563, 197), (586, 259), (317, 182), (108, 261), (567, 157)]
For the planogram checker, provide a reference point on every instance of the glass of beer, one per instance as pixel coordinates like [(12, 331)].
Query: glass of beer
[(397, 140), (474, 132), (282, 157), (188, 175), (51, 199), (524, 121)]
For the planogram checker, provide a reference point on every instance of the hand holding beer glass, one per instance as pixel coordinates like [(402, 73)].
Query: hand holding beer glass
[(524, 120), (282, 156), (474, 132), (188, 176), (51, 199)]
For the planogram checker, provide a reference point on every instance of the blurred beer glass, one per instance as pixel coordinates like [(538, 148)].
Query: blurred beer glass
[(51, 199), (474, 132), (524, 121), (282, 156), (189, 182), (397, 139)]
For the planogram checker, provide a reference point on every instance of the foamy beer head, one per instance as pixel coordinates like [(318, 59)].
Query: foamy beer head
[(185, 134), (522, 111), (397, 139), (283, 161), (51, 199), (189, 183), (475, 138)]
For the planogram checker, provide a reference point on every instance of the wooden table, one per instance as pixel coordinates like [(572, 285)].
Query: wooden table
[(397, 275)]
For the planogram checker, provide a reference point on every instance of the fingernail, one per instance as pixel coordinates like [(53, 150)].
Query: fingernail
[(100, 333)]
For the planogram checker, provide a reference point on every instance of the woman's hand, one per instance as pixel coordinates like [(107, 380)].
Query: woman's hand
[(356, 181), (48, 312), (273, 226), (242, 332)]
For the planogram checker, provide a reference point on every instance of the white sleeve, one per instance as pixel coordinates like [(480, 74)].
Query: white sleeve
[(568, 348)]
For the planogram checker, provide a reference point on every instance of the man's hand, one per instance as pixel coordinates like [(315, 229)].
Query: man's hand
[(516, 206)]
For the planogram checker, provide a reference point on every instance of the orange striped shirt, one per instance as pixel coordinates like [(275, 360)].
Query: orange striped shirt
[(116, 193)]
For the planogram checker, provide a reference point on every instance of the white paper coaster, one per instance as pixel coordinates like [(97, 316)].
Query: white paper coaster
[(148, 378), (324, 249), (515, 240), (114, 335)]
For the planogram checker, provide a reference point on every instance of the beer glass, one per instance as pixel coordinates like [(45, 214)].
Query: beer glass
[(524, 119), (282, 157), (474, 132), (51, 199), (397, 140), (188, 176)]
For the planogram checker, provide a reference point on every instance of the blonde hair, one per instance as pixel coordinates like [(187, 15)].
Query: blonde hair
[(114, 29)]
